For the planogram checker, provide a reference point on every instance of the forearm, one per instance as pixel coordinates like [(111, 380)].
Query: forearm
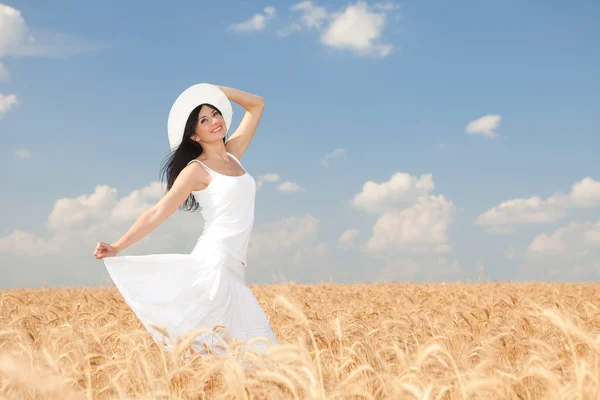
[(145, 224), (247, 100)]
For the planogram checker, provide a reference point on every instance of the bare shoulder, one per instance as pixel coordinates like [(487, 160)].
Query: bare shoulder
[(198, 174)]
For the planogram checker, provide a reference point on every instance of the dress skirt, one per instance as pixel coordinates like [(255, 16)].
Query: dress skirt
[(183, 293)]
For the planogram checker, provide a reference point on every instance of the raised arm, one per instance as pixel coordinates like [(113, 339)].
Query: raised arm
[(155, 215), (254, 105)]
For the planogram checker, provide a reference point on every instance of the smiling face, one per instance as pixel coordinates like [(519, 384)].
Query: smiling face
[(211, 125)]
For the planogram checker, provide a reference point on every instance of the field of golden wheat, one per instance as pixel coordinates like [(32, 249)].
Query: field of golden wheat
[(378, 341)]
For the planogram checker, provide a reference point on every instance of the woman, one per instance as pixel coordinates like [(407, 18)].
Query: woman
[(188, 292)]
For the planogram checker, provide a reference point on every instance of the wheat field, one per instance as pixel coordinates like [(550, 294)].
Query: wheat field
[(363, 341)]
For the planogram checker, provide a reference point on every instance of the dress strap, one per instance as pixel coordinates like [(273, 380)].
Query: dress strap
[(238, 161), (210, 171)]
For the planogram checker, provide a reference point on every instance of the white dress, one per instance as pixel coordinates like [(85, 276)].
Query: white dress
[(186, 292)]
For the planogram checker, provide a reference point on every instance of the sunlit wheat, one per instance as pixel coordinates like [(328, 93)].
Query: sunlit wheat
[(380, 341)]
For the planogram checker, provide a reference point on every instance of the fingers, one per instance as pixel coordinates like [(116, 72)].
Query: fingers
[(101, 250)]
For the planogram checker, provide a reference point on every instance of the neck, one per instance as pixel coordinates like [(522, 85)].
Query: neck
[(214, 149)]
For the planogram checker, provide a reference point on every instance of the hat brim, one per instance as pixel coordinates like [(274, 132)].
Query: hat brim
[(191, 98)]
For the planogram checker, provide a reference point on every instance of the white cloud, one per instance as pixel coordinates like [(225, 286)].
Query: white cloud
[(13, 31), (76, 212), (387, 6), (534, 210), (569, 253), (4, 74), (16, 39), (423, 227), (359, 29), (62, 254), (284, 234), (336, 153), (411, 230), (86, 217), (401, 190), (102, 207), (289, 250), (285, 187), (313, 16), (138, 201), (287, 247), (289, 30), (256, 22), (572, 239), (585, 193), (289, 187), (485, 126), (46, 43), (27, 243), (544, 244), (7, 102), (22, 153), (266, 178), (346, 239)]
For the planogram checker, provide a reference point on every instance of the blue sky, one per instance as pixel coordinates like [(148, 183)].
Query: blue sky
[(485, 113)]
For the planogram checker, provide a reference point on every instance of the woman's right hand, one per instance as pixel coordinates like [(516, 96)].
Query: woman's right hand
[(104, 250)]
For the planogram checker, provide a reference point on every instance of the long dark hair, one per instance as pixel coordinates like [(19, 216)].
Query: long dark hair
[(179, 158)]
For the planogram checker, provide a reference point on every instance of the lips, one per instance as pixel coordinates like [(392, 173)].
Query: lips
[(217, 130)]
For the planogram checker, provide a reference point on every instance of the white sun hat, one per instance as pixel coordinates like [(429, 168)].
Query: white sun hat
[(191, 98)]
